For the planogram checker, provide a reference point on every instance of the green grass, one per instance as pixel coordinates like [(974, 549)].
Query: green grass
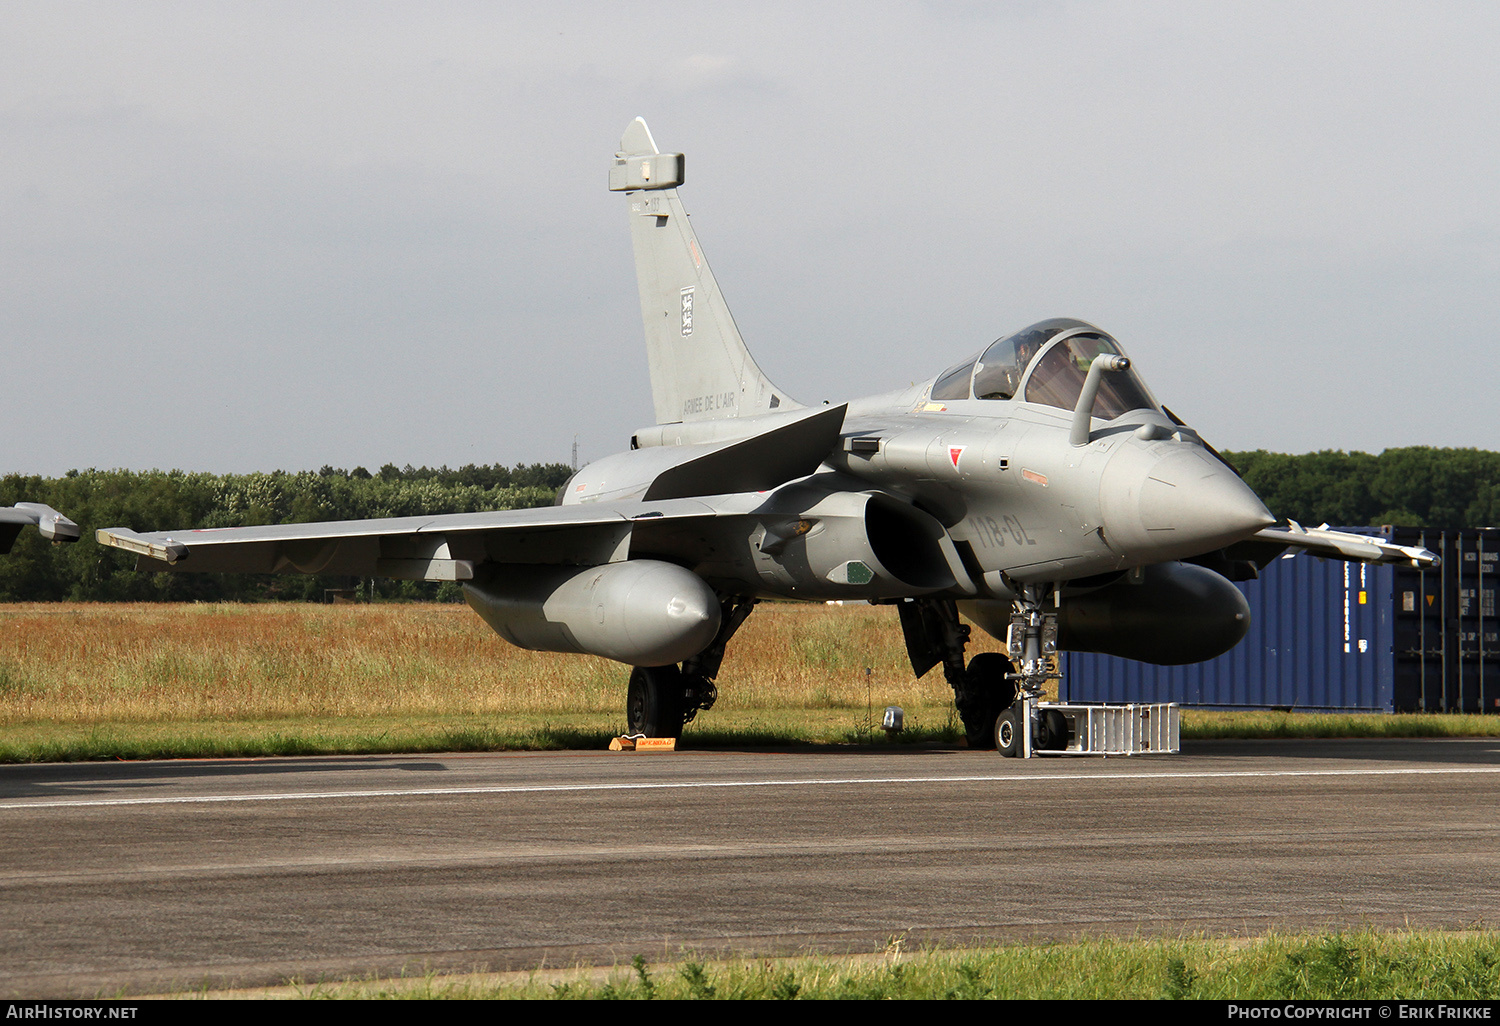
[(38, 741), (1205, 724), (376, 735), (1340, 966)]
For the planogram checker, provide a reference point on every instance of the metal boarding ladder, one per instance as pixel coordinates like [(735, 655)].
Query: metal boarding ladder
[(1131, 729)]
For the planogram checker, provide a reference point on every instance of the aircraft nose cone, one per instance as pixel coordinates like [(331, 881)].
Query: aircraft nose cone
[(1182, 504), (1193, 492)]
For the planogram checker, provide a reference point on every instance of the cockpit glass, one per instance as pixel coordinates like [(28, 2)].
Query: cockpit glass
[(1060, 373), (954, 382), (997, 375)]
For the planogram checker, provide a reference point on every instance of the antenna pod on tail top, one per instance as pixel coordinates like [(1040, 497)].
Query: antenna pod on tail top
[(700, 368)]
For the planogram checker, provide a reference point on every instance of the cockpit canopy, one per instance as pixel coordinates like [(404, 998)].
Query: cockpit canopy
[(1046, 363)]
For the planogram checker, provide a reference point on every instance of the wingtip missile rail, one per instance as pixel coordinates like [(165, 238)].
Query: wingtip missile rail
[(1320, 541), (166, 550)]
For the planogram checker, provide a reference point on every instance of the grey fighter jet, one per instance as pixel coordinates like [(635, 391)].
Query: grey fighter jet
[(1037, 489), (53, 526)]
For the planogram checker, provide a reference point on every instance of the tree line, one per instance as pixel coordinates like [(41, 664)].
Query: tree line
[(175, 500), (1412, 487)]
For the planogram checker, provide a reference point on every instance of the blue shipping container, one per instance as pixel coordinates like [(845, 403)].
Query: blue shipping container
[(1329, 635)]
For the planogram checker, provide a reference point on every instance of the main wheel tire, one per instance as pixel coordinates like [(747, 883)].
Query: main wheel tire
[(654, 701), (1054, 731), (988, 694), (1008, 732)]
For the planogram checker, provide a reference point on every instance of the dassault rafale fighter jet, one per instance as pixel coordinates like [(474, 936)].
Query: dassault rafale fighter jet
[(53, 526), (1037, 489)]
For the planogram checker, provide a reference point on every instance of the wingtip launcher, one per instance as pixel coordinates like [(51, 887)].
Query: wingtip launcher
[(166, 550), (1342, 545), (52, 525)]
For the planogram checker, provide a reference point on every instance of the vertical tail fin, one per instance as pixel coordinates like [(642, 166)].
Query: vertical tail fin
[(700, 368)]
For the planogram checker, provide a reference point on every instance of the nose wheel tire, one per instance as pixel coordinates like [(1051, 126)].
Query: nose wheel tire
[(1052, 732), (654, 702), (1008, 732)]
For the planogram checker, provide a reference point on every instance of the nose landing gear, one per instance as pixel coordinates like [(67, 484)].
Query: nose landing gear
[(1050, 731)]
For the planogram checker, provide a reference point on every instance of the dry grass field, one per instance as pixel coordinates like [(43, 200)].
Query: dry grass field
[(85, 663), (117, 671)]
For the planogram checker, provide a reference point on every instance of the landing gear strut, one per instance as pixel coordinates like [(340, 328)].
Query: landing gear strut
[(1032, 640), (1032, 644), (661, 700)]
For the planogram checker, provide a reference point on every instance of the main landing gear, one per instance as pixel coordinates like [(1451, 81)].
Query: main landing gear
[(982, 689), (656, 701), (661, 700), (988, 691), (990, 695)]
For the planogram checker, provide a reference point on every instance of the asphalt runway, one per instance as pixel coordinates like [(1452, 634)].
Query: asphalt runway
[(139, 877)]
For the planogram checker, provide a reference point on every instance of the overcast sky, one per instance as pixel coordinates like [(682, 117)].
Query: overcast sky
[(251, 236)]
